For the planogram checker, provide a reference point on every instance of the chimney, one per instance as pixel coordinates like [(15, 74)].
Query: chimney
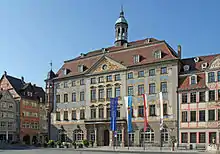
[(5, 73), (22, 79), (34, 85), (179, 51)]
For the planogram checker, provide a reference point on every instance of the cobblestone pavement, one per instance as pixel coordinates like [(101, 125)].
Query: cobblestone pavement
[(91, 151)]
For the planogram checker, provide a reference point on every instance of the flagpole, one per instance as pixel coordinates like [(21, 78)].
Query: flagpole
[(161, 119), (128, 141)]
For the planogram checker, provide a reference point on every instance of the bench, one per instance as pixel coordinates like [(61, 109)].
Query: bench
[(200, 147)]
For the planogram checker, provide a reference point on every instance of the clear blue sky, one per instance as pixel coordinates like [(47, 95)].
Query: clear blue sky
[(34, 32)]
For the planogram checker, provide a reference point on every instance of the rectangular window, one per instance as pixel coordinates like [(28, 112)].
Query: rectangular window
[(117, 92), (108, 112), (152, 88), (202, 96), (82, 96), (93, 80), (82, 82), (218, 75), (136, 59), (65, 98), (152, 72), (118, 112), (73, 83), (152, 110), (202, 115), (65, 85), (212, 135), (184, 116), (163, 87), (193, 80), (130, 91), (193, 97), (101, 79), (93, 94), (101, 113), (109, 78), (74, 97), (193, 137), (163, 70), (58, 98), (193, 116), (101, 94), (58, 116), (130, 75), (184, 98), (211, 115), (140, 111), (117, 77), (218, 114), (211, 95), (218, 94), (184, 137), (211, 77), (65, 116), (74, 115), (109, 93), (57, 86), (202, 137), (165, 109), (93, 113), (140, 89), (82, 114), (141, 74)]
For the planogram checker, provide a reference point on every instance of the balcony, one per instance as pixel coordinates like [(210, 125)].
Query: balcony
[(101, 99), (93, 101)]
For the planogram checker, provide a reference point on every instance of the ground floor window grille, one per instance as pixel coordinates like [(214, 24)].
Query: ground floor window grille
[(148, 135), (165, 135), (78, 135)]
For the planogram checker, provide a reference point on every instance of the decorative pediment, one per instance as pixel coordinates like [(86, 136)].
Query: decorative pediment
[(215, 64), (105, 64)]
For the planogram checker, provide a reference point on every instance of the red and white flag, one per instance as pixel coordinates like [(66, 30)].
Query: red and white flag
[(145, 112)]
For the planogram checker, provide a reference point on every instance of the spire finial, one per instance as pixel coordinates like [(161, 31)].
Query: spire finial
[(122, 10), (51, 65)]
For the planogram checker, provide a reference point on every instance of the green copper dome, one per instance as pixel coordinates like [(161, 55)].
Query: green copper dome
[(121, 19)]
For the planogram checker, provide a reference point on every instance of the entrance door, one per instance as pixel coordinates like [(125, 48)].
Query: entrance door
[(106, 137)]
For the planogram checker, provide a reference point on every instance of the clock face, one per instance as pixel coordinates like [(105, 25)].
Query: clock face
[(104, 67)]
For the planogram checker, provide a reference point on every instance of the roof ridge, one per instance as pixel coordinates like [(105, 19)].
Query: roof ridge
[(117, 48), (201, 56)]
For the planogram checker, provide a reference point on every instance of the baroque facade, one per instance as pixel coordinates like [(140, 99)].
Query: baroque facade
[(31, 109), (79, 94), (8, 117), (199, 98)]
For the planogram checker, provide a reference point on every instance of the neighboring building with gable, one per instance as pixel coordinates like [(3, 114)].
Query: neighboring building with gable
[(30, 99), (199, 100), (80, 92), (8, 117)]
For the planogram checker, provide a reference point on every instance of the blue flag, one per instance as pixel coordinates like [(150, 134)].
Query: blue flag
[(129, 110), (113, 106)]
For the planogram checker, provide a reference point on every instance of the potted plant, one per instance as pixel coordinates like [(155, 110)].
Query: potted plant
[(74, 144), (58, 143), (66, 145), (92, 143), (86, 143), (51, 143), (173, 141)]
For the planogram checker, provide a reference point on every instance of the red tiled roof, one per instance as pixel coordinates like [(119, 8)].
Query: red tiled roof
[(196, 66), (184, 82), (123, 55)]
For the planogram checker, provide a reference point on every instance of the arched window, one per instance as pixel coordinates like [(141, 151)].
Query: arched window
[(149, 135), (165, 135), (93, 112), (131, 138), (78, 135)]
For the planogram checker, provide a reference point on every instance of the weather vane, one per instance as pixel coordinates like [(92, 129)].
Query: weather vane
[(51, 64)]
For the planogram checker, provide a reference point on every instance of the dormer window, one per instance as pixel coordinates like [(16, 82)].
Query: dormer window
[(157, 54), (65, 71), (193, 79), (80, 68), (29, 94), (136, 59)]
